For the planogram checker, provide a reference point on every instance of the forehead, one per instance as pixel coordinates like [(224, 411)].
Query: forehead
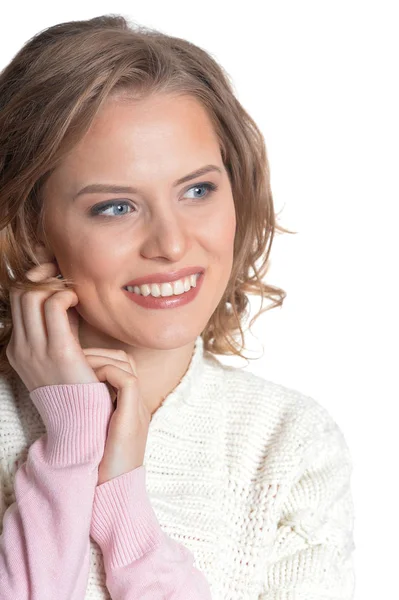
[(154, 141), (162, 135), (159, 120)]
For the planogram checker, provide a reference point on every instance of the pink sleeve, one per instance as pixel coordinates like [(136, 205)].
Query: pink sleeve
[(45, 544), (140, 560)]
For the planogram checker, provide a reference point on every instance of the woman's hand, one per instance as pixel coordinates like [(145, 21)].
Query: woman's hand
[(129, 423), (44, 347)]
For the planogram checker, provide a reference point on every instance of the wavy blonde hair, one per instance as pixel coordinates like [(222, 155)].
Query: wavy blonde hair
[(51, 92)]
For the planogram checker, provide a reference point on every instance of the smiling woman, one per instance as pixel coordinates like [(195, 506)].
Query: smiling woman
[(178, 120), (129, 167)]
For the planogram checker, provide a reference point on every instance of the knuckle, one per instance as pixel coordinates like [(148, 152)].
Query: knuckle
[(57, 297), (53, 299), (41, 271)]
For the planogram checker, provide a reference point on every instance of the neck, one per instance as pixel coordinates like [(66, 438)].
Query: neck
[(159, 371)]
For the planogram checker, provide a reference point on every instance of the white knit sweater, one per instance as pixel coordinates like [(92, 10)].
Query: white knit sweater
[(252, 477)]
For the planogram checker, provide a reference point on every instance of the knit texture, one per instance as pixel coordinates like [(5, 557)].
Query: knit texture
[(250, 478)]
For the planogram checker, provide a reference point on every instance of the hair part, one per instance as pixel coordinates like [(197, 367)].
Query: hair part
[(51, 92)]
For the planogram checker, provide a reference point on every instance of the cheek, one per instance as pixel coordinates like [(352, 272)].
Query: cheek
[(219, 223), (90, 259), (222, 233)]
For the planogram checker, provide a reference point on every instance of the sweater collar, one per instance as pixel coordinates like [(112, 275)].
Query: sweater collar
[(184, 392)]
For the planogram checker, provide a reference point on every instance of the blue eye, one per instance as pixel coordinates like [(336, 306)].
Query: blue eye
[(211, 187), (100, 208)]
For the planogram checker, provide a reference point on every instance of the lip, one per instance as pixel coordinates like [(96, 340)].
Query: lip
[(162, 302), (165, 277)]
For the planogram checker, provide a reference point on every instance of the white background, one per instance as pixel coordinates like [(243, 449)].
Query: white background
[(320, 80)]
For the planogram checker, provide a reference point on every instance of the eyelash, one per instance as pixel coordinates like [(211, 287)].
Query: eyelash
[(96, 210)]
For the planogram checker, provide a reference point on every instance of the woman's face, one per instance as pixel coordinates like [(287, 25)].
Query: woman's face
[(157, 227)]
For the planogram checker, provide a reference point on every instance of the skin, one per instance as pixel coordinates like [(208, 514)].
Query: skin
[(147, 144)]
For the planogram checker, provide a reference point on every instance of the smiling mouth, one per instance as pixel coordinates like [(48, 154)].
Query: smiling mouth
[(165, 290)]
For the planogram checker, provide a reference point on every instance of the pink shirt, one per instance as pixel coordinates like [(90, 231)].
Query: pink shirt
[(44, 547)]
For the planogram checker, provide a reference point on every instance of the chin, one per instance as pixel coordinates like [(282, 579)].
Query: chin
[(172, 337)]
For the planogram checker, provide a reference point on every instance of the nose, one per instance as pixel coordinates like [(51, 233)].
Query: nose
[(169, 236)]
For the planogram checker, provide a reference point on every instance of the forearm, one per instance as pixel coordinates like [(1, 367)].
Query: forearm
[(140, 560)]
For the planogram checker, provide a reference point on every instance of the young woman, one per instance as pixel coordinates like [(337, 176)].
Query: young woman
[(135, 201)]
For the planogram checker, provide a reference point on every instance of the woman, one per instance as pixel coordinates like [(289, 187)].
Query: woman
[(135, 198)]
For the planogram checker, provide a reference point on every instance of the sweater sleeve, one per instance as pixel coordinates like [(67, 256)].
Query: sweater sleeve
[(313, 547), (140, 560), (45, 543)]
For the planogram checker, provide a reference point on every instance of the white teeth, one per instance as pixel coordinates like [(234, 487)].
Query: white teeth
[(174, 288)]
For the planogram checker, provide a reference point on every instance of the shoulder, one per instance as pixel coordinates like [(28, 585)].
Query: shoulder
[(267, 399), (277, 420)]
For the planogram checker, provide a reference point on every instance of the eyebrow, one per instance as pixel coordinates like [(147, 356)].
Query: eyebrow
[(120, 189)]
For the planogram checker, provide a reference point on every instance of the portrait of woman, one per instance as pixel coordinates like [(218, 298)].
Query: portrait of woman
[(136, 219)]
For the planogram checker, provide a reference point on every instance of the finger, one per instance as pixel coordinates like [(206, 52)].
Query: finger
[(42, 271), (125, 383), (115, 353), (97, 361), (122, 388), (31, 306), (74, 323), (18, 330), (18, 314), (132, 364), (59, 330)]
